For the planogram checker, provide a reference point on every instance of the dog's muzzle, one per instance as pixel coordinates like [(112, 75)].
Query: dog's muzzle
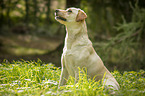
[(57, 15)]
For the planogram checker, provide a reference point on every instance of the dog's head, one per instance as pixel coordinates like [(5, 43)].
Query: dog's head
[(70, 15)]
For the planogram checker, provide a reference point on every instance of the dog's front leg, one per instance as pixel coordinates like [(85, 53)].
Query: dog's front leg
[(64, 74), (63, 77), (76, 75)]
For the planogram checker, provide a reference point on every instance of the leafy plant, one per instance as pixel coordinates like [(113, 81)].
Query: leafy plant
[(127, 47)]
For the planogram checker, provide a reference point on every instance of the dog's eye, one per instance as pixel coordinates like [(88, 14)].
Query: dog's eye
[(69, 11)]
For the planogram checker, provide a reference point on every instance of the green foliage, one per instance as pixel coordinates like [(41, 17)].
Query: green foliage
[(36, 78), (126, 49), (131, 31)]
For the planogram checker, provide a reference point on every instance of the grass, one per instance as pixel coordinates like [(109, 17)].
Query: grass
[(32, 78)]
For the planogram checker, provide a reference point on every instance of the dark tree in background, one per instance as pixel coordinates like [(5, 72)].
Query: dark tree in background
[(35, 11), (27, 11), (8, 13), (73, 3), (48, 4), (2, 6)]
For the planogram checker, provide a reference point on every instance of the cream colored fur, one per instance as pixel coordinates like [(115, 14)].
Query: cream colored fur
[(78, 50)]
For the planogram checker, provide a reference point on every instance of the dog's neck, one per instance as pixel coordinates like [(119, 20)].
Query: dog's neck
[(76, 35)]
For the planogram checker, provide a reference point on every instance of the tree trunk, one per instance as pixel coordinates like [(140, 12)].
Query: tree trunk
[(27, 11), (8, 13), (35, 11), (48, 20), (1, 12), (73, 3)]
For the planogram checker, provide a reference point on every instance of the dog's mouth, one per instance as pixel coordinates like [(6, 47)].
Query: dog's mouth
[(61, 18)]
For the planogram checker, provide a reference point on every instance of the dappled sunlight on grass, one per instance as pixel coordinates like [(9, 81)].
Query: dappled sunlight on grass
[(28, 44), (19, 51)]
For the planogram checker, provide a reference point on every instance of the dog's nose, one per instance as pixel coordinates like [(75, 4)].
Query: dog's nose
[(56, 10)]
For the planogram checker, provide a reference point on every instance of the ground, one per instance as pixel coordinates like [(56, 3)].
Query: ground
[(29, 47)]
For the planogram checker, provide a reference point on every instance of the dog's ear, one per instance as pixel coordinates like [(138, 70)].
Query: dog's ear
[(81, 16)]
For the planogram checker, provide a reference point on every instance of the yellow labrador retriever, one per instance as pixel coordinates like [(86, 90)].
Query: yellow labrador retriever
[(78, 50)]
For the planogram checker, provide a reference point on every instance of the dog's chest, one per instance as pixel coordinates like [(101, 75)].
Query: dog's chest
[(76, 56)]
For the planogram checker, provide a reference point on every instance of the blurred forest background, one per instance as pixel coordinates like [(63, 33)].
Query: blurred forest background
[(28, 30)]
